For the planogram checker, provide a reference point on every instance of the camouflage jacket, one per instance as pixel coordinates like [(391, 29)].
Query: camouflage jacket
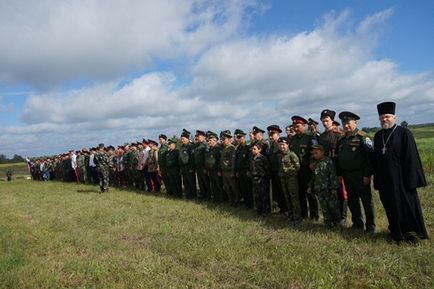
[(324, 175), (289, 164)]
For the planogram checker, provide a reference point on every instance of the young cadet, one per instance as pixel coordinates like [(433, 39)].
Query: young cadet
[(324, 183), (289, 165), (259, 173)]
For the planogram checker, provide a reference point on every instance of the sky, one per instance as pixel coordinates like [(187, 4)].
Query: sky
[(77, 73)]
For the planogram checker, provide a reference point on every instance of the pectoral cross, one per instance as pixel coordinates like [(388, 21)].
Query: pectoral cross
[(383, 150)]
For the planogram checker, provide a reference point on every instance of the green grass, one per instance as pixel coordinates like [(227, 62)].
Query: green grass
[(63, 235), (18, 170), (56, 235)]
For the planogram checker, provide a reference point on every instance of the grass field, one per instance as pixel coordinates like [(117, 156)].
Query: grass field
[(58, 235)]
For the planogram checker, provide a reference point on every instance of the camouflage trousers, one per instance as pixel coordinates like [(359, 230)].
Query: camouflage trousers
[(291, 193), (329, 206), (103, 175)]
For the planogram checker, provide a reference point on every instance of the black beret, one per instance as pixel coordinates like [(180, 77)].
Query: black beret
[(163, 136)]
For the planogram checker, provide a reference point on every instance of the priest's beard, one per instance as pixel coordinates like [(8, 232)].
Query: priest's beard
[(387, 124)]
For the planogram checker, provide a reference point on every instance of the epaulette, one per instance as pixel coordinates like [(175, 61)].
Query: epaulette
[(361, 133)]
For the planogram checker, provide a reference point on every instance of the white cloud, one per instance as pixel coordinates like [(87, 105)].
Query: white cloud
[(45, 43), (236, 83)]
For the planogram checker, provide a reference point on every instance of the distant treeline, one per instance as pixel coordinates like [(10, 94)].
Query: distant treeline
[(13, 160)]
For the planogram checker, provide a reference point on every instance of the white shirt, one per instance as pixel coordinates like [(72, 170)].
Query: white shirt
[(91, 162)]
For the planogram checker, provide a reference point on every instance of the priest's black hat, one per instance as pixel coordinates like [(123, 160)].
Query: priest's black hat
[(386, 108)]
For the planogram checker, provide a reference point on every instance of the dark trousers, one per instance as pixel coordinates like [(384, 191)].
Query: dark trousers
[(189, 182), (261, 195), (357, 191), (277, 192), (204, 184), (305, 198), (216, 186), (245, 186)]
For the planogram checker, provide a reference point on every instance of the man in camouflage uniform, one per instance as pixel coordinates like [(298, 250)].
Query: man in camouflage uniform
[(355, 166), (186, 163), (301, 144), (212, 165), (199, 163), (329, 140), (174, 187), (81, 166), (112, 171), (289, 166), (277, 194), (227, 166), (103, 165), (242, 168), (128, 166), (324, 183)]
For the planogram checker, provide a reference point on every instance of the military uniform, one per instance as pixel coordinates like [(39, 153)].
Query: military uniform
[(199, 164), (324, 183), (81, 168), (242, 169), (212, 165), (186, 163), (174, 187), (288, 167), (162, 151), (103, 164), (355, 161), (227, 166), (276, 186), (329, 141), (259, 171), (301, 144)]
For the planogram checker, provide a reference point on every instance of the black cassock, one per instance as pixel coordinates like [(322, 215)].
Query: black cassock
[(398, 173)]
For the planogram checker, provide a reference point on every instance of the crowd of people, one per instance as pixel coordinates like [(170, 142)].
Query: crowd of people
[(293, 173)]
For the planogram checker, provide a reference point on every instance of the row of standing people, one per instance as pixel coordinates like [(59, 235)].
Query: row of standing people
[(288, 174)]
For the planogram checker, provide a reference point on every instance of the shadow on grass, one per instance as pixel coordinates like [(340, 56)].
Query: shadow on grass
[(273, 221)]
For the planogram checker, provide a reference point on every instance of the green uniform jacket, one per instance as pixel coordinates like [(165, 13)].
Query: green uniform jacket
[(212, 158), (227, 159), (273, 157), (289, 164), (162, 152), (186, 157), (354, 154), (199, 156), (302, 145), (172, 157), (242, 157)]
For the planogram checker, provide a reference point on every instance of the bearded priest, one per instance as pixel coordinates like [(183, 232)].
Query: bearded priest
[(398, 173)]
